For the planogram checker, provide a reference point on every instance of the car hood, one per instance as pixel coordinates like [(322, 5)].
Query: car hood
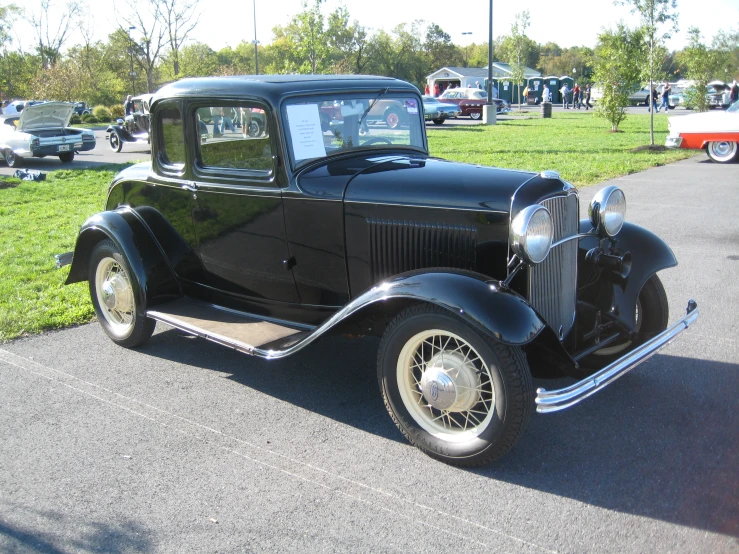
[(430, 182), (46, 115), (704, 122)]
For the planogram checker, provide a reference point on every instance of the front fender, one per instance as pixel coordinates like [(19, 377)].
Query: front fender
[(476, 299), (153, 276), (650, 254)]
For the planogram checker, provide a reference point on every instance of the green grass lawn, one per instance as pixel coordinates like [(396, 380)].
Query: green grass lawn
[(577, 145), (38, 220)]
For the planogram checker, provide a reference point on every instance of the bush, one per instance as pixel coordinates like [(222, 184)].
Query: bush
[(101, 112), (75, 120), (116, 112), (89, 118)]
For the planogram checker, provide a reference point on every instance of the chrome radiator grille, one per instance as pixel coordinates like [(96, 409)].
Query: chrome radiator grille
[(552, 286)]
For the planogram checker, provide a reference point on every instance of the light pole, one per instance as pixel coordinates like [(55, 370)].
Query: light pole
[(256, 42), (466, 64), (489, 114), (132, 74)]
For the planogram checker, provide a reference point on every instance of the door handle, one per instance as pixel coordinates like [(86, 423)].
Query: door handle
[(192, 187)]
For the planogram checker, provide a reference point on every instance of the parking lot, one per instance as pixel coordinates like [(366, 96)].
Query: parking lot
[(184, 446)]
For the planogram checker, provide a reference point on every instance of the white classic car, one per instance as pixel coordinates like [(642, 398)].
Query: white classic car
[(42, 130), (716, 132)]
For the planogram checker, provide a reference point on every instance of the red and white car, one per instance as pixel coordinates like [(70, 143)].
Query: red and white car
[(716, 132)]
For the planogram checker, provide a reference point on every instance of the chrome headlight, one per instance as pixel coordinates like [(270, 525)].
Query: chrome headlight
[(532, 233), (608, 210)]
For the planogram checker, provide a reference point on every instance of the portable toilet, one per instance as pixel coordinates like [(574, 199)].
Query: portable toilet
[(535, 85), (504, 88), (554, 85), (570, 83)]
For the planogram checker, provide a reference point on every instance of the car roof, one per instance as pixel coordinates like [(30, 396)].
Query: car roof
[(274, 87)]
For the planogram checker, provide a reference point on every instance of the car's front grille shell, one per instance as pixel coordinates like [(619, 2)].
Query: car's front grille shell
[(552, 284)]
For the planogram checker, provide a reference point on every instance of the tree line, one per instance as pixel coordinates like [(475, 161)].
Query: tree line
[(152, 47)]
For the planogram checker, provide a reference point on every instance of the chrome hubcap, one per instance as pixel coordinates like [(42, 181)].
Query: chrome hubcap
[(115, 296), (722, 149), (445, 385)]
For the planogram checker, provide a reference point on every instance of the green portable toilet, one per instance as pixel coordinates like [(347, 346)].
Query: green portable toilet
[(554, 85), (504, 88), (535, 85), (570, 84)]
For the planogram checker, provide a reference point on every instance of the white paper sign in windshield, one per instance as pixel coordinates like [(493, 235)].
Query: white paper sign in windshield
[(305, 131)]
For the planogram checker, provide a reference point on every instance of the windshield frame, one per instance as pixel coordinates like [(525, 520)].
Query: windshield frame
[(327, 95)]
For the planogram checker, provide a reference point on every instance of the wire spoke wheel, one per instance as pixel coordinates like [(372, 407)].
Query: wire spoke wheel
[(115, 295), (445, 385)]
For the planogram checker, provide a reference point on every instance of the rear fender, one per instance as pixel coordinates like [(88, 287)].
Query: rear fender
[(650, 254), (153, 276)]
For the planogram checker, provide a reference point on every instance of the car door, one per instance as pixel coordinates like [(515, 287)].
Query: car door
[(238, 214)]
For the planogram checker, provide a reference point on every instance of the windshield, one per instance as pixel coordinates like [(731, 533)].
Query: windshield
[(330, 124)]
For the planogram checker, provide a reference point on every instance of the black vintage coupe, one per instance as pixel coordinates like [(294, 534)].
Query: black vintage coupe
[(476, 278)]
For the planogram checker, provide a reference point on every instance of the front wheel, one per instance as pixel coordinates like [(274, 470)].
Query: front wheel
[(722, 152), (66, 157), (115, 142), (392, 119), (438, 121), (114, 297), (475, 115), (11, 159), (455, 394)]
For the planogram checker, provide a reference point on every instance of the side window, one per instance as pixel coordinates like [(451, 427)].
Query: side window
[(234, 137), (172, 151)]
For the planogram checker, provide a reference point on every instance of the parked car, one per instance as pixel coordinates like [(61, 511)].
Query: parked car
[(718, 94), (640, 97), (438, 112), (715, 132), (476, 278), (81, 108), (134, 127), (471, 101), (42, 130)]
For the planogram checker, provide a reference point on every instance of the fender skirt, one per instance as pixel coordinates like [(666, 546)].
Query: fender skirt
[(153, 277), (649, 254)]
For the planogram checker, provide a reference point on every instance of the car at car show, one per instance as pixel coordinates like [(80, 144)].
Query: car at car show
[(471, 100), (718, 94), (81, 108), (438, 112), (476, 279), (134, 127), (41, 130), (715, 132)]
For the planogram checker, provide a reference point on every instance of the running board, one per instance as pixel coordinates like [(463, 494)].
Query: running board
[(242, 332)]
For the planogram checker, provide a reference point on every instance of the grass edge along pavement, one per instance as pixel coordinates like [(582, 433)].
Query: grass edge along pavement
[(41, 219)]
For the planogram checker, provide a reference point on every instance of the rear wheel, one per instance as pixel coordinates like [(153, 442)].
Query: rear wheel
[(455, 394), (392, 119), (438, 121), (722, 152), (475, 115), (66, 157), (114, 298)]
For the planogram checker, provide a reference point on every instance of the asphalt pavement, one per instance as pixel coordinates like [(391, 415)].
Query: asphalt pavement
[(185, 446)]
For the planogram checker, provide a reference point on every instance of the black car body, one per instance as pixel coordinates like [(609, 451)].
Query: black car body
[(134, 127), (476, 278)]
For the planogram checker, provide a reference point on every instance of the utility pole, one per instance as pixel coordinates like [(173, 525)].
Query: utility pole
[(132, 73), (466, 47), (489, 113), (256, 42)]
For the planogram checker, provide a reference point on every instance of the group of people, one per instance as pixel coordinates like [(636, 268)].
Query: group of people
[(577, 97), (662, 96)]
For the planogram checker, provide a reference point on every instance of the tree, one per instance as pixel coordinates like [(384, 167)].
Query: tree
[(654, 15), (519, 51), (348, 42), (701, 65), (53, 27), (145, 17), (178, 18), (619, 59), (440, 51)]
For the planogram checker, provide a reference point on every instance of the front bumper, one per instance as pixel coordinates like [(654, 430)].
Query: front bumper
[(556, 400), (673, 142)]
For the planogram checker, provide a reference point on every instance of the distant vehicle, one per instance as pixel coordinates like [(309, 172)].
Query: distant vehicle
[(438, 112), (135, 126), (640, 97), (42, 129), (471, 101), (80, 108), (718, 94), (715, 132)]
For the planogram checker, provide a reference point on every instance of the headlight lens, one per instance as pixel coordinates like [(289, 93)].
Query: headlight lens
[(608, 210), (532, 233)]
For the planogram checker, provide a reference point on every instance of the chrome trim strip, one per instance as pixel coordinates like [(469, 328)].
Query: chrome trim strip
[(573, 237), (447, 208), (555, 400)]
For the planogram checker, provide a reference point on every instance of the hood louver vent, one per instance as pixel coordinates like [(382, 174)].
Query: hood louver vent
[(398, 246)]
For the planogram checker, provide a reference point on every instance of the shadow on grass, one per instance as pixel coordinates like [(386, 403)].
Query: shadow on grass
[(652, 445)]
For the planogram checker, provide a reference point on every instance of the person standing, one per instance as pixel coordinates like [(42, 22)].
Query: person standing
[(526, 94), (576, 96), (478, 85), (653, 99), (565, 92), (734, 94), (666, 89), (128, 105), (426, 91), (436, 90), (545, 94), (586, 97)]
